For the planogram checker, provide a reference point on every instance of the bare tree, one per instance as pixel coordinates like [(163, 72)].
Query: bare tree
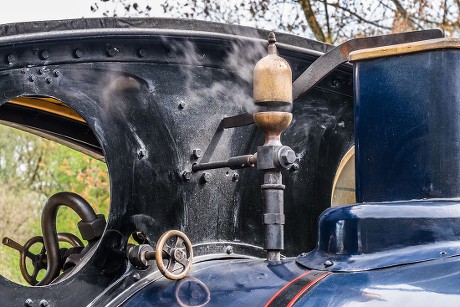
[(329, 21)]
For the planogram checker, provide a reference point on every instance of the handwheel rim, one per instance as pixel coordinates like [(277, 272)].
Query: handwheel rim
[(165, 270)]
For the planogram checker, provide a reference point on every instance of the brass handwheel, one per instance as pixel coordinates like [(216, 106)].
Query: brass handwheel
[(178, 251), (38, 260)]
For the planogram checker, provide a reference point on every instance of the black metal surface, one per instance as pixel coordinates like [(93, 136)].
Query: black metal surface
[(66, 131), (50, 236), (339, 55), (149, 110)]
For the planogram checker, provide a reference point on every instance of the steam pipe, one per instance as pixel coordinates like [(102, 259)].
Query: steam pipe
[(233, 163), (50, 236)]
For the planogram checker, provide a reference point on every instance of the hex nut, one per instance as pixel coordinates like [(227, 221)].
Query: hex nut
[(197, 153), (93, 229), (288, 156)]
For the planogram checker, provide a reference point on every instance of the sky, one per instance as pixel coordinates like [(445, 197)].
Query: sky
[(34, 10)]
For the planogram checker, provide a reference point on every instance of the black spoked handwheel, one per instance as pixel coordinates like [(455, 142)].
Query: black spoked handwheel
[(178, 251), (39, 259)]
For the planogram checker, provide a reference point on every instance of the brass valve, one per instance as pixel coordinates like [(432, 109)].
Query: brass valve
[(272, 90), (272, 79)]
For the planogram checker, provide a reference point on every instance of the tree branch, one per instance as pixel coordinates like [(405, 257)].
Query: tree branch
[(360, 18), (312, 21)]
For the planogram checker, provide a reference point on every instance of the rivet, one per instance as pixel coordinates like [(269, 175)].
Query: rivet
[(56, 73), (28, 302), (23, 70), (302, 254), (136, 276), (44, 55), (206, 177), (44, 303), (197, 153), (141, 52), (48, 80), (235, 177), (328, 263), (229, 249), (78, 53), (186, 175), (31, 78), (41, 71), (111, 52), (181, 105), (11, 59)]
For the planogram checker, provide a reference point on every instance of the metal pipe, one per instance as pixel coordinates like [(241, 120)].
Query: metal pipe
[(273, 218), (50, 236), (233, 163)]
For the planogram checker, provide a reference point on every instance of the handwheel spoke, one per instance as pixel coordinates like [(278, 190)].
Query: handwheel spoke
[(183, 262), (167, 249), (35, 272), (30, 255), (179, 242), (171, 264)]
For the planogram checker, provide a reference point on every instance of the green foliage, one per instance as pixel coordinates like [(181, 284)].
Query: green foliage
[(31, 170)]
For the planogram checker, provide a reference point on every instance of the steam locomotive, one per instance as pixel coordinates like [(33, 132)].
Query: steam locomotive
[(245, 172)]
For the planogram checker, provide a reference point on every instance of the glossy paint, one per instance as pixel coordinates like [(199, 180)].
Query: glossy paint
[(221, 283), (377, 235), (432, 283), (407, 126)]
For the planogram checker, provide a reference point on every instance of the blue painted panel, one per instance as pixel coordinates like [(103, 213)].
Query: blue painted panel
[(376, 235), (433, 283), (229, 282), (407, 126)]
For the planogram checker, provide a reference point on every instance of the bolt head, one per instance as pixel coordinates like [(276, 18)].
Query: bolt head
[(48, 80), (11, 59), (44, 303), (111, 52), (328, 263), (181, 105), (206, 177), (141, 52), (28, 302), (235, 177), (197, 153), (56, 73), (229, 249), (44, 55), (31, 78), (288, 156), (78, 53), (186, 175)]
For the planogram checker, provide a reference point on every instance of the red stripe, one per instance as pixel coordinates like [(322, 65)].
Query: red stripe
[(314, 281), (285, 286)]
